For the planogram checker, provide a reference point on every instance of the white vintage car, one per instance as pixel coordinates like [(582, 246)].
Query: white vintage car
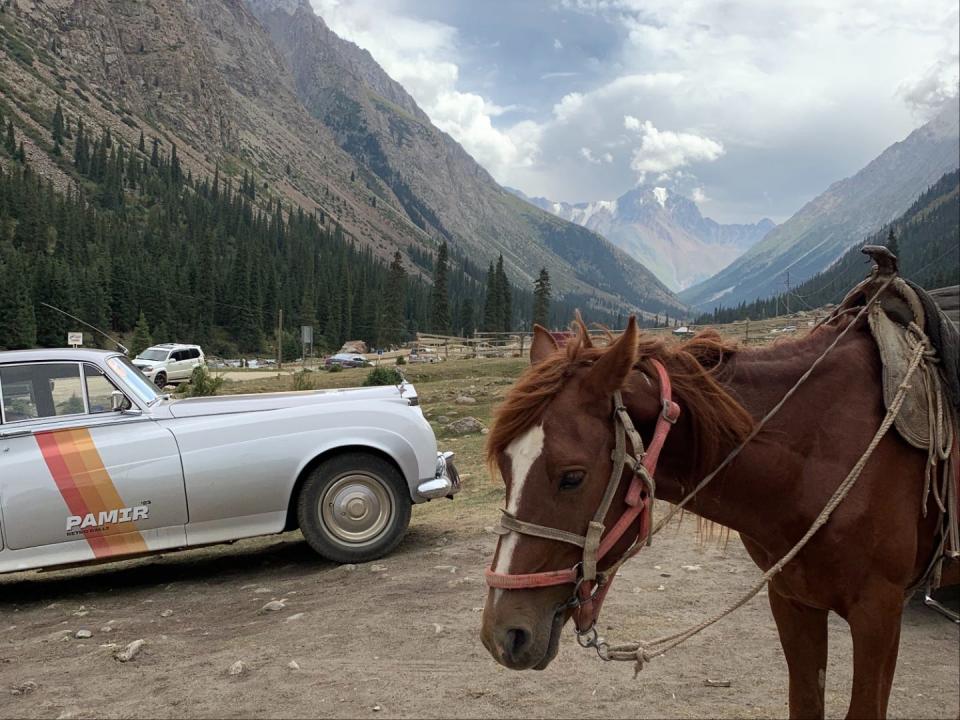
[(96, 465)]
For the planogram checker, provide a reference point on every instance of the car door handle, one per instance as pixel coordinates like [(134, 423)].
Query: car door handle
[(15, 433)]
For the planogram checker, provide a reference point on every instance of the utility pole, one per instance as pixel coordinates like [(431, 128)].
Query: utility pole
[(280, 340)]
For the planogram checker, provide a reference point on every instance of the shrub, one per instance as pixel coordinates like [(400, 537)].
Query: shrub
[(202, 383), (383, 376), (401, 360), (336, 368), (303, 380)]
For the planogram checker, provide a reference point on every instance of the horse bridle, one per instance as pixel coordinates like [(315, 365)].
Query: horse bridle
[(590, 585)]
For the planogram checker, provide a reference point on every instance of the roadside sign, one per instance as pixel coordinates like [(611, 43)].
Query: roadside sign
[(75, 339)]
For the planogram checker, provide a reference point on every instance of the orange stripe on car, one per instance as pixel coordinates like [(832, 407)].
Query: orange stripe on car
[(86, 487)]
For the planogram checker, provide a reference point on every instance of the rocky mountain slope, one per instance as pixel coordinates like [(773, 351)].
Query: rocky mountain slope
[(663, 230), (846, 213), (208, 77), (925, 242), (435, 182)]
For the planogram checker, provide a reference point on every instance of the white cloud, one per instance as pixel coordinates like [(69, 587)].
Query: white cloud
[(631, 123), (557, 45), (697, 195), (927, 92), (661, 151), (422, 56), (568, 106), (587, 154)]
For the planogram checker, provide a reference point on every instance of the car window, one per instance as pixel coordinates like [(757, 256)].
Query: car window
[(134, 379), (153, 354), (99, 389), (41, 390), (193, 353)]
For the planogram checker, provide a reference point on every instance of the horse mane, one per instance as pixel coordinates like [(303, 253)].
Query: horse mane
[(718, 420)]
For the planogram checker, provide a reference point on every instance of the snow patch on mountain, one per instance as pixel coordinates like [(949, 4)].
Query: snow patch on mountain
[(664, 230)]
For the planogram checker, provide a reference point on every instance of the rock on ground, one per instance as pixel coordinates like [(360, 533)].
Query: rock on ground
[(465, 426)]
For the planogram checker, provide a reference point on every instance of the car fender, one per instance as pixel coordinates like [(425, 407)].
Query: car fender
[(382, 441)]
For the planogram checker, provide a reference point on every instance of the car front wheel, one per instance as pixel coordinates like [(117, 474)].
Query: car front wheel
[(354, 508), (161, 380)]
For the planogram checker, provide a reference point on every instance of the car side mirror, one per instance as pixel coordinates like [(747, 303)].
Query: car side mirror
[(118, 401)]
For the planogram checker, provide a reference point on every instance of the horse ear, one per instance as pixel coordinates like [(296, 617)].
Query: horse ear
[(578, 322), (610, 371), (543, 344)]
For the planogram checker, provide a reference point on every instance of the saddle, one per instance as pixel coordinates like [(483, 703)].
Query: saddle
[(903, 318)]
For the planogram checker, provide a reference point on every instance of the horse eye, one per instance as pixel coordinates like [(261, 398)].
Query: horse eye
[(571, 479)]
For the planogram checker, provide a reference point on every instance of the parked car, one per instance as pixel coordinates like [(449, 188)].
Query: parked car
[(348, 360), (423, 355), (169, 363), (96, 465)]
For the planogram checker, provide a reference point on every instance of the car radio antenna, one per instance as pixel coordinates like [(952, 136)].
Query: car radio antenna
[(120, 345)]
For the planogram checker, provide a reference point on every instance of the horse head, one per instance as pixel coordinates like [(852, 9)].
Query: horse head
[(552, 442)]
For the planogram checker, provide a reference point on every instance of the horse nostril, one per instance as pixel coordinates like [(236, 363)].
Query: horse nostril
[(516, 640)]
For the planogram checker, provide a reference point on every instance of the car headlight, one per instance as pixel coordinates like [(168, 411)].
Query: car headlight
[(146, 369)]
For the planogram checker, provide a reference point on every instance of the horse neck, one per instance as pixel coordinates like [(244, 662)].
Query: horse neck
[(757, 485)]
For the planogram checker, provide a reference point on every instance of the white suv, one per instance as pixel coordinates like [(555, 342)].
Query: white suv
[(169, 363)]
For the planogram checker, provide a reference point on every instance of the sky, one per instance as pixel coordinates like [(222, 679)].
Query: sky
[(750, 107)]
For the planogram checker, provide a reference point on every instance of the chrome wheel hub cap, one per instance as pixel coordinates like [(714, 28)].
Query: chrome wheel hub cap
[(356, 508)]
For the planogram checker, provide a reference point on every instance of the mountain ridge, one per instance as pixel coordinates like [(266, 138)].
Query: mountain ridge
[(208, 78), (662, 229), (848, 211)]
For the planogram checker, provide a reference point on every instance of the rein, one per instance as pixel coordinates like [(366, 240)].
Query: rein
[(590, 585)]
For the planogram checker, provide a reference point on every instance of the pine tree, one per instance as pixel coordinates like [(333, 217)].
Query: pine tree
[(141, 336), (175, 172), (155, 154), (467, 322), (58, 124), (140, 145), (892, 244), (394, 299), (491, 306), (505, 321), (21, 155), (541, 298), (440, 295)]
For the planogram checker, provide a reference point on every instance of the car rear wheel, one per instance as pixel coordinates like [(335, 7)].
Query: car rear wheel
[(354, 507), (161, 380)]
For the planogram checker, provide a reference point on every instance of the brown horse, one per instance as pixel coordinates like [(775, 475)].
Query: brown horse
[(552, 440)]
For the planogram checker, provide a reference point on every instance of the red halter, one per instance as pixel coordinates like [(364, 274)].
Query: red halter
[(590, 587)]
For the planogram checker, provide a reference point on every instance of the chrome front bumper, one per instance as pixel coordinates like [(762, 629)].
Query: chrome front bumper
[(445, 482)]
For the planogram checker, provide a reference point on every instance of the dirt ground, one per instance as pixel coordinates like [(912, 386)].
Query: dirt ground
[(399, 637)]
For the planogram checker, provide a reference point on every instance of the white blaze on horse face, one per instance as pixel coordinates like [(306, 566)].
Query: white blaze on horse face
[(523, 453)]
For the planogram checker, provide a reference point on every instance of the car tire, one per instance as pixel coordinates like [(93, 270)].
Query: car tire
[(354, 508), (160, 380)]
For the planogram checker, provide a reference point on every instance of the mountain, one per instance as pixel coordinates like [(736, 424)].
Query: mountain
[(846, 213), (310, 119), (406, 160), (927, 248), (663, 230)]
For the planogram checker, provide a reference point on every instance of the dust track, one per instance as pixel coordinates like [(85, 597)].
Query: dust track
[(405, 639)]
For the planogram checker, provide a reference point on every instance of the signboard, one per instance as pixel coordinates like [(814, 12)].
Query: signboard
[(75, 339), (306, 334)]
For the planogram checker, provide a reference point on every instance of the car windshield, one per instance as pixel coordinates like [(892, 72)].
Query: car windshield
[(133, 378), (153, 354)]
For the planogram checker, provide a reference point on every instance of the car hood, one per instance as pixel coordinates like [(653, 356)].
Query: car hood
[(221, 405), (140, 362)]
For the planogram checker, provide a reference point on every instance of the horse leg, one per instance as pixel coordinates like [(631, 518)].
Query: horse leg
[(875, 627), (803, 635)]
